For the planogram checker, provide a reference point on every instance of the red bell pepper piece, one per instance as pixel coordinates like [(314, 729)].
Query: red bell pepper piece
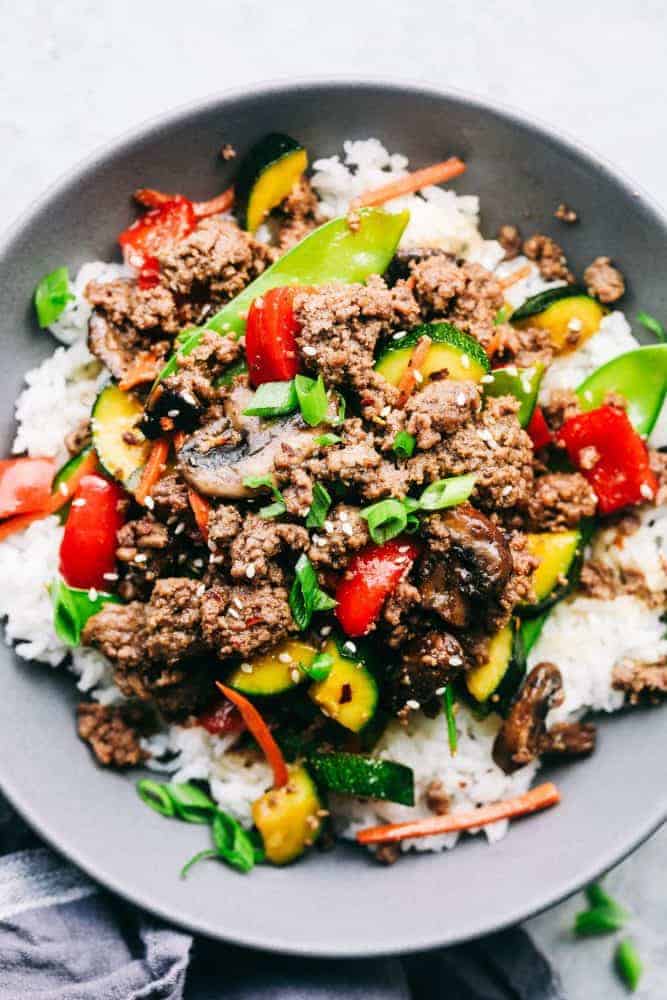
[(538, 429), (617, 465), (25, 485), (370, 578), (269, 339), (155, 231), (88, 548), (221, 718)]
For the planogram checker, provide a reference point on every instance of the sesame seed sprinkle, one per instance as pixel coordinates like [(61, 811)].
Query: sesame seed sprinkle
[(233, 613), (173, 413), (461, 399), (141, 557), (465, 361), (348, 529), (325, 630), (284, 657), (385, 411), (246, 668), (440, 691), (400, 334), (419, 378), (309, 351), (111, 577), (63, 489), (295, 675), (506, 490), (201, 590), (150, 503), (92, 594), (487, 379), (250, 570), (349, 647), (411, 703), (180, 527), (79, 502), (455, 661), (238, 603)]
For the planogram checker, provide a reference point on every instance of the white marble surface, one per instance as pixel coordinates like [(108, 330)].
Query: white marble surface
[(75, 73)]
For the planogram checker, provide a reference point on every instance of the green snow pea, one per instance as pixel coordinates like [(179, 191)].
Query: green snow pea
[(73, 607), (334, 252), (640, 376), (524, 383)]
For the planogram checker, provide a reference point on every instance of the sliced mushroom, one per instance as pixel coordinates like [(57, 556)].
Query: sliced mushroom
[(218, 458), (429, 662), (521, 738), (182, 409)]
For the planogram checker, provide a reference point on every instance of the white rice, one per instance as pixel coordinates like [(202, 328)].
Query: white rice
[(585, 637)]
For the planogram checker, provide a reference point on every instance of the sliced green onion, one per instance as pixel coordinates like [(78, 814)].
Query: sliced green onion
[(200, 856), (190, 803), (51, 296), (324, 440), (319, 508), (342, 409), (597, 896), (312, 397), (239, 367), (266, 482), (273, 399), (447, 492), (276, 509), (448, 707), (320, 668), (232, 842), (155, 795), (653, 325), (404, 444), (599, 920), (628, 964), (386, 519), (305, 596), (502, 315)]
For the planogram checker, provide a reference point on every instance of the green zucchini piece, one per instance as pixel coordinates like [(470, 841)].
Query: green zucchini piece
[(289, 818), (366, 777), (349, 695), (73, 607), (531, 630), (560, 556), (640, 376), (451, 349), (523, 383), (267, 174), (116, 414), (495, 683), (66, 471), (559, 310), (333, 252), (273, 673)]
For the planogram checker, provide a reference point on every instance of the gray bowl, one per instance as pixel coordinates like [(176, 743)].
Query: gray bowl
[(341, 903)]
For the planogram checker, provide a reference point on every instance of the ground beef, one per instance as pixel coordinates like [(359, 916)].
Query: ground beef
[(428, 664), (243, 620), (145, 552), (198, 371), (437, 799), (170, 497), (604, 581), (344, 532), (569, 739), (563, 404), (509, 238), (522, 348), (255, 548), (549, 258), (400, 619), (224, 524), (118, 632), (112, 732), (127, 320), (297, 215), (658, 461), (79, 438), (560, 500), (604, 281), (439, 409), (465, 293), (519, 586), (566, 214), (172, 621), (640, 681)]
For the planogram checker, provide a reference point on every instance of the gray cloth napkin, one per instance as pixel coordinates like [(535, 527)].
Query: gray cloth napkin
[(64, 938)]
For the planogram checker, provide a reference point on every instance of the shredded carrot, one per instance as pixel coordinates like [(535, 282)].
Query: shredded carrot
[(518, 275), (537, 798), (201, 509), (259, 729), (151, 198), (153, 469), (409, 378), (145, 368), (179, 439), (222, 203), (58, 499), (438, 173)]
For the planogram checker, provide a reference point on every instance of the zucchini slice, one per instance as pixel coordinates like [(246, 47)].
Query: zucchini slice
[(559, 554), (276, 671), (116, 415), (349, 695), (561, 311), (266, 176), (495, 682), (453, 351), (288, 818), (366, 777), (524, 383)]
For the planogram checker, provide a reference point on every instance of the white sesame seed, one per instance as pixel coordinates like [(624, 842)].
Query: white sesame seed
[(325, 630), (150, 503), (403, 549), (92, 594), (348, 529), (189, 398), (295, 675), (399, 335), (487, 379), (250, 570), (385, 411), (465, 361), (110, 576), (63, 489), (575, 325), (588, 395), (419, 378), (172, 519), (201, 590), (181, 558), (411, 703), (198, 563), (349, 647), (328, 527), (646, 491), (79, 502), (309, 351), (246, 668), (506, 490), (238, 602), (440, 691), (319, 541), (233, 613), (284, 657), (455, 661), (180, 527), (141, 557), (461, 399), (512, 370), (173, 413), (343, 516)]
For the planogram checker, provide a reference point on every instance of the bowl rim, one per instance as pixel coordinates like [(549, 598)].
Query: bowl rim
[(173, 118)]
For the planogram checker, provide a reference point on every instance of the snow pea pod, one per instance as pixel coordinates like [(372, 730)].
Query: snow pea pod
[(334, 252), (640, 376), (72, 607), (523, 383)]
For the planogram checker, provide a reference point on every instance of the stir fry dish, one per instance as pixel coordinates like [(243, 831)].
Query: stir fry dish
[(345, 517)]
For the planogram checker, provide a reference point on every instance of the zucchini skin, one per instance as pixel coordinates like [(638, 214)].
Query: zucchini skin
[(366, 777), (440, 333), (538, 303), (586, 529), (266, 152)]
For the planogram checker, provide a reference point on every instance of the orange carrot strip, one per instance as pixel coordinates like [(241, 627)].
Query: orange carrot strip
[(201, 509), (537, 798), (58, 499), (153, 469), (409, 377), (438, 173), (515, 276), (261, 732), (151, 198), (145, 368), (222, 203)]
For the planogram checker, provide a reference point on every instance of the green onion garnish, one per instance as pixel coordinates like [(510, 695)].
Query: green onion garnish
[(155, 795), (653, 325), (275, 509), (386, 519), (320, 668), (404, 444), (628, 964), (448, 707), (312, 398), (324, 440), (305, 596), (597, 897), (272, 510), (273, 399), (447, 492), (190, 803), (52, 295), (319, 508), (599, 920), (502, 315)]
